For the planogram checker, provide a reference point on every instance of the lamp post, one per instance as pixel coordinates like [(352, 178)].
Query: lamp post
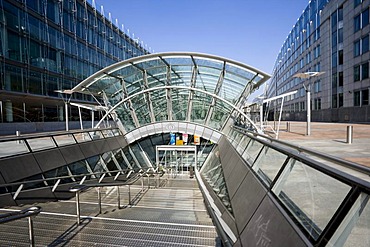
[(68, 95), (307, 75)]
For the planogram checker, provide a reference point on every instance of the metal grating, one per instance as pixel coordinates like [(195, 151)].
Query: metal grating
[(173, 215)]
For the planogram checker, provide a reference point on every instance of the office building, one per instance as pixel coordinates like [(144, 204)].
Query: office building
[(50, 46), (330, 37)]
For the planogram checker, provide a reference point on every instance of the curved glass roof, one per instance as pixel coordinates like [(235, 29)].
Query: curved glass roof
[(181, 86)]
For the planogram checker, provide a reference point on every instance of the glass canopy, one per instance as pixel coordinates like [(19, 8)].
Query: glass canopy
[(191, 87)]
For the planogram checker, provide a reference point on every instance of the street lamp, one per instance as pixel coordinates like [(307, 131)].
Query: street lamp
[(68, 95), (307, 75)]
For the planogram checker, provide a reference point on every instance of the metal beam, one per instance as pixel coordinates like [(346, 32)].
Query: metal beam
[(217, 91), (147, 97), (240, 111), (191, 93), (168, 94), (129, 104)]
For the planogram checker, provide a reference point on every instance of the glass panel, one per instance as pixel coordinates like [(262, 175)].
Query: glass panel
[(243, 143), (251, 152), (107, 133), (64, 140), (79, 168), (41, 143), (109, 161), (214, 176), (355, 228), (82, 137), (58, 172), (9, 148), (268, 164), (311, 196), (96, 165), (97, 134)]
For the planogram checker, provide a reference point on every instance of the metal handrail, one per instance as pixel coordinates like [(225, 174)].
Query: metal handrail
[(62, 177), (54, 133), (25, 213), (79, 188), (300, 149)]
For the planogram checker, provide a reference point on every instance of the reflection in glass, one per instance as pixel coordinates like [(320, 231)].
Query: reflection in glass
[(41, 143), (268, 164), (9, 148), (252, 151), (64, 140), (58, 172), (311, 196), (79, 168), (82, 137), (355, 228), (213, 174)]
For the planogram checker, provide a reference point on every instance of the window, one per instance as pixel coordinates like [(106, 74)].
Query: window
[(365, 18), (334, 80), (357, 23), (334, 39), (340, 100), (317, 104), (365, 71), (357, 2), (340, 14), (365, 97), (340, 35), (340, 57), (356, 73), (317, 51), (356, 48), (356, 98), (340, 79), (334, 60), (334, 100), (317, 86), (365, 44)]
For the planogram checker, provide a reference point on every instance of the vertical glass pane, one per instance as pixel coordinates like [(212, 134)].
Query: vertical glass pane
[(355, 228), (82, 137), (41, 143), (79, 168), (64, 140), (9, 148), (268, 164), (251, 152), (311, 196)]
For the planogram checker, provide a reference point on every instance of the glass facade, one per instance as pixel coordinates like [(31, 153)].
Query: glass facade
[(189, 87), (50, 45), (330, 36)]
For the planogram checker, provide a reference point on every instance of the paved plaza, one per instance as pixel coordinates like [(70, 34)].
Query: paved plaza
[(330, 138)]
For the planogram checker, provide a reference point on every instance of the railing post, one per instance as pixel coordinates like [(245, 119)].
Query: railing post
[(78, 207), (30, 231), (129, 195), (118, 198), (99, 199), (142, 183), (148, 182)]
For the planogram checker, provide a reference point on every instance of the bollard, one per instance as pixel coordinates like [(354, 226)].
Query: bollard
[(18, 134), (288, 126), (349, 134)]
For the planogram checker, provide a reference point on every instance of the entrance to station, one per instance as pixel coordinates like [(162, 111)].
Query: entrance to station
[(176, 159)]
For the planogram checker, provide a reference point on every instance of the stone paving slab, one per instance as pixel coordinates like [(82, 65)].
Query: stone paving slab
[(330, 138)]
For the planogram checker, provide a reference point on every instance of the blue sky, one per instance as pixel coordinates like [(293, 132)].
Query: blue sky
[(249, 31)]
